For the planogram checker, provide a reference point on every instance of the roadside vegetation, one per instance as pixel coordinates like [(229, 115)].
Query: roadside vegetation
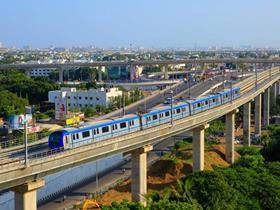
[(253, 182)]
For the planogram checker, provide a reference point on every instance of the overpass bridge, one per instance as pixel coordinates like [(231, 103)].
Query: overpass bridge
[(163, 63), (141, 84), (24, 180)]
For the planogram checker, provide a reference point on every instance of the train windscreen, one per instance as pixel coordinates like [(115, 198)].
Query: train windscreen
[(55, 140)]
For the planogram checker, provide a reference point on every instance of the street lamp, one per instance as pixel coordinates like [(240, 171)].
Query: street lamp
[(256, 73), (96, 175), (25, 140), (189, 78), (171, 106), (123, 104)]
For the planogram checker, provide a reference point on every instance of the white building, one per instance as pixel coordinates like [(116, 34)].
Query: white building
[(83, 98)]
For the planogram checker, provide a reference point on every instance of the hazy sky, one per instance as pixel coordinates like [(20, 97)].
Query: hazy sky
[(148, 23)]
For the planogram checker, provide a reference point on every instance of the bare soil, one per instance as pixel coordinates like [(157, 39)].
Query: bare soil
[(165, 173)]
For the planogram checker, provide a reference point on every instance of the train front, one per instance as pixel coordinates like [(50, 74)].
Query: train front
[(56, 140)]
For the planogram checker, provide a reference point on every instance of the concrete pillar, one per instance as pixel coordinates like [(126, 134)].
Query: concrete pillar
[(28, 72), (247, 124), (198, 147), (230, 136), (25, 195), (274, 90), (99, 74), (266, 104), (165, 70), (278, 89), (139, 174), (258, 114), (61, 75)]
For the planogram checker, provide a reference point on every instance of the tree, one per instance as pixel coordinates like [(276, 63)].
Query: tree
[(11, 104)]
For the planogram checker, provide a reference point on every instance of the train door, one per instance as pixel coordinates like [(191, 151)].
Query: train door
[(67, 141)]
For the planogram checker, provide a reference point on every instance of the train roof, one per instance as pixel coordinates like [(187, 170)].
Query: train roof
[(97, 124), (228, 90), (202, 98)]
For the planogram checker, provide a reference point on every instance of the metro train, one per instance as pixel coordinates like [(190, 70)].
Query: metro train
[(68, 138)]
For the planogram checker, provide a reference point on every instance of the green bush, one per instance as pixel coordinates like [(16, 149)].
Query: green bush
[(42, 116), (50, 113), (89, 111), (251, 161), (245, 150)]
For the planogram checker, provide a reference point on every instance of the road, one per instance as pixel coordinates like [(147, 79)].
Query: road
[(179, 90), (107, 180)]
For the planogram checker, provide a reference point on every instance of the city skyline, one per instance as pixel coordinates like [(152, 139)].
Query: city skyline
[(156, 24)]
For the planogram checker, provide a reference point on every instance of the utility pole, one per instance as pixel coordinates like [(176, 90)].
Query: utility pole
[(171, 104), (96, 175), (25, 141), (189, 78), (256, 73), (123, 104), (223, 72)]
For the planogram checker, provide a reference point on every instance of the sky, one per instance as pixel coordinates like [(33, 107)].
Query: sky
[(147, 23)]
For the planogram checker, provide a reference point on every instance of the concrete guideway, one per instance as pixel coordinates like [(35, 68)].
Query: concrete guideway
[(16, 174), (117, 145)]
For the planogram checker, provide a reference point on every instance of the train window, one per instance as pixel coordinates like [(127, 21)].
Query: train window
[(214, 100), (183, 109), (97, 130), (77, 136), (116, 127), (155, 117), (178, 110), (85, 134), (73, 136), (194, 106), (94, 132), (105, 129), (123, 125), (198, 105), (132, 122), (113, 127), (167, 114), (206, 102), (129, 123)]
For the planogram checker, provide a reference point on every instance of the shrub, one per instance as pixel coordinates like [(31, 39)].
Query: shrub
[(245, 150)]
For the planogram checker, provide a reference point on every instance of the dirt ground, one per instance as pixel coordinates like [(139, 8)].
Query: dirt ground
[(166, 172)]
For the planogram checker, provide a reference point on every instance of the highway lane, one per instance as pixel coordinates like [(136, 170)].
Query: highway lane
[(196, 90)]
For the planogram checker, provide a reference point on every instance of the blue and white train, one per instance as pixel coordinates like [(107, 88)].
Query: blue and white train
[(74, 137)]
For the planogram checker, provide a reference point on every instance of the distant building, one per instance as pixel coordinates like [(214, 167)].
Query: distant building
[(1, 45), (40, 72), (72, 98), (118, 72)]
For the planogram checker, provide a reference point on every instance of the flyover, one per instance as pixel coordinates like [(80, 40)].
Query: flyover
[(137, 63), (24, 180), (144, 83), (163, 63)]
